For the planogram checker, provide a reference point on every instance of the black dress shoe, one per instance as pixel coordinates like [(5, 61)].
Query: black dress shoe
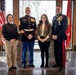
[(13, 67), (42, 66), (56, 65), (31, 65), (23, 65), (10, 69), (61, 68)]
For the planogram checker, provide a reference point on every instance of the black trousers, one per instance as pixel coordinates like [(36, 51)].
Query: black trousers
[(44, 49), (58, 51)]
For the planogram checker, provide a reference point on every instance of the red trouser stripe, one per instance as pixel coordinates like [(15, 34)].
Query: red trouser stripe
[(63, 54)]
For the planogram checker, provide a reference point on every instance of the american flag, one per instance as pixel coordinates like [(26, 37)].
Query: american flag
[(2, 15)]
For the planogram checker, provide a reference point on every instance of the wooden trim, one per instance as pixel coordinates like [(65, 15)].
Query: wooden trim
[(74, 26), (0, 40), (59, 2), (16, 11)]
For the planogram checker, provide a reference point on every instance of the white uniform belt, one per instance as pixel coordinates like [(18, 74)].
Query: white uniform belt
[(28, 29)]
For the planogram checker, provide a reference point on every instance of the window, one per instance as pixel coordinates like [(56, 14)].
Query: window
[(9, 7), (38, 8)]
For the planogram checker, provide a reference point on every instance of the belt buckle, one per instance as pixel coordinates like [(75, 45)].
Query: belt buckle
[(28, 29)]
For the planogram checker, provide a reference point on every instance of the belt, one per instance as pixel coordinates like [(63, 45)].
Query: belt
[(28, 29)]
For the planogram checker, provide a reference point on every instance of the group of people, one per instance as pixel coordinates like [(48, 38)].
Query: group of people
[(28, 30)]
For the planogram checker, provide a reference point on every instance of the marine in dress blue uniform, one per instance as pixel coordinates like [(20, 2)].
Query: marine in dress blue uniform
[(59, 26), (27, 28)]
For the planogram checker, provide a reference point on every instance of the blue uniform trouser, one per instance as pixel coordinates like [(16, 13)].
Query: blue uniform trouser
[(30, 46)]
